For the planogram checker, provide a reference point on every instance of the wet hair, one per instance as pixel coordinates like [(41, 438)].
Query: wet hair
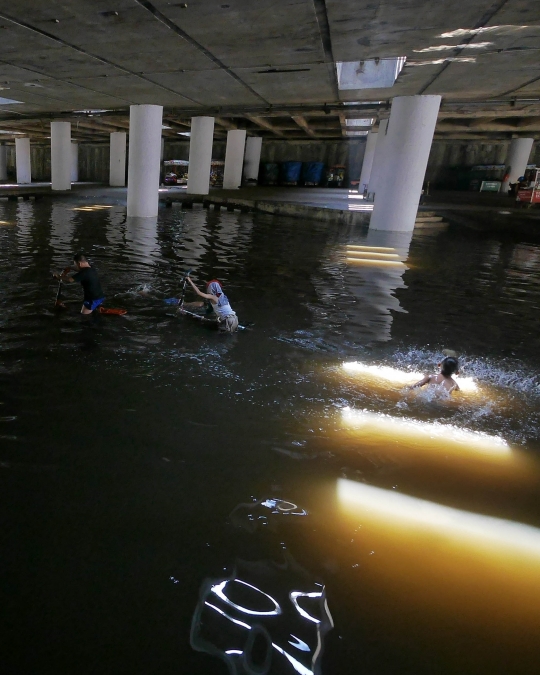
[(79, 257), (449, 366)]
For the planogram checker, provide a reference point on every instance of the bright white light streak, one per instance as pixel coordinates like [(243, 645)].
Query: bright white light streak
[(382, 372), (94, 207), (218, 590), (234, 651), (448, 59), (400, 428), (220, 611), (442, 48), (299, 644), (411, 512), (295, 664), (378, 263), (359, 247), (373, 254), (460, 32), (466, 384), (293, 595), (360, 207)]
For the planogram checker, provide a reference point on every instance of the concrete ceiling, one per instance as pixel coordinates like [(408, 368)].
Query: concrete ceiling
[(267, 66)]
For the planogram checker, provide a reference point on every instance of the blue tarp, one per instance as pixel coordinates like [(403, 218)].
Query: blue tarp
[(290, 172), (269, 173), (312, 173)]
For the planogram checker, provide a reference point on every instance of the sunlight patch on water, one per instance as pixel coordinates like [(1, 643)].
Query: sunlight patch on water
[(394, 375), (475, 530), (429, 435), (374, 263), (94, 207), (359, 247)]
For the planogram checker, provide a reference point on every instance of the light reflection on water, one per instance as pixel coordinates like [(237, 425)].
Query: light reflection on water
[(180, 427)]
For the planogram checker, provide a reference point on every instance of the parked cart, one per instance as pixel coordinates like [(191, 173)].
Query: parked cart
[(531, 195)]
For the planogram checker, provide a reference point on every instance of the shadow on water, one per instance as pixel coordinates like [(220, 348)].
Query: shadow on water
[(161, 481)]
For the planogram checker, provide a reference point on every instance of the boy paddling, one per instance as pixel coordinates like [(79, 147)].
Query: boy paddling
[(89, 280)]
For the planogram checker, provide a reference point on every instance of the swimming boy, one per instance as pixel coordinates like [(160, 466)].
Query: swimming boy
[(88, 278), (219, 304), (449, 366)]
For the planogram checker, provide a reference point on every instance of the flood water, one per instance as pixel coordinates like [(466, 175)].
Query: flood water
[(175, 500)]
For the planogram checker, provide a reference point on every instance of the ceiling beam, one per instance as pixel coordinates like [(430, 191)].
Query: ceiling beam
[(261, 122), (302, 123), (225, 123)]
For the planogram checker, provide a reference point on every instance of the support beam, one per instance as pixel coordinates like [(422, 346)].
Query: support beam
[(143, 172), (61, 155), (343, 123), (74, 162), (302, 123), (252, 158), (517, 160), (379, 158), (226, 124), (369, 154), (200, 155), (117, 159), (22, 161), (234, 159), (3, 162), (259, 121), (408, 142)]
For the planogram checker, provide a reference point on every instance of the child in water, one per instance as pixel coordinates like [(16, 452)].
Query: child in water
[(218, 304), (449, 366)]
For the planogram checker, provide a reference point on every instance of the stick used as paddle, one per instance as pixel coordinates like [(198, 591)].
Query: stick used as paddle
[(181, 301), (57, 301)]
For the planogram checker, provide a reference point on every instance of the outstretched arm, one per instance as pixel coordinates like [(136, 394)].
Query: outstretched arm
[(208, 296), (425, 380), (63, 275)]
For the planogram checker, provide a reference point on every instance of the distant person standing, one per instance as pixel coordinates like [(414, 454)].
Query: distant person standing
[(89, 280)]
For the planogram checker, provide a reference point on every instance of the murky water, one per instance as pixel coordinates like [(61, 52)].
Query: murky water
[(176, 500)]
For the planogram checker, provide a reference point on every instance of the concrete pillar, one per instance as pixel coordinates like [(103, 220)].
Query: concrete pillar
[(3, 161), (61, 155), (369, 154), (143, 170), (22, 160), (408, 141), (517, 160), (378, 157), (252, 158), (234, 159), (200, 155), (117, 159), (74, 162)]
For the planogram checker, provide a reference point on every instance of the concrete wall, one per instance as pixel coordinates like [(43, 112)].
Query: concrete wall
[(347, 153), (94, 162), (445, 159), (40, 159)]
